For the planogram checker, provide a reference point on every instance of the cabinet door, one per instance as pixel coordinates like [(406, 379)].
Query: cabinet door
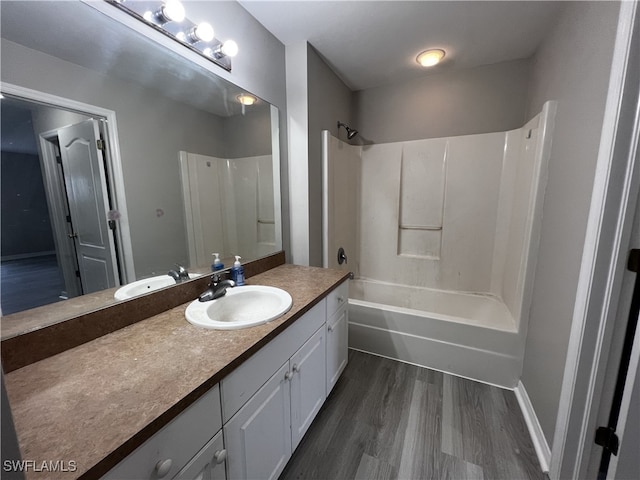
[(337, 346), (208, 464), (308, 389), (258, 436)]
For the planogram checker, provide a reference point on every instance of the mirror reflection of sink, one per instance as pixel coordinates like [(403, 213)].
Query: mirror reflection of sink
[(146, 285), (241, 307)]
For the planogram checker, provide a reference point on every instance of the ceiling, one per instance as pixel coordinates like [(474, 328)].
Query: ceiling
[(373, 43)]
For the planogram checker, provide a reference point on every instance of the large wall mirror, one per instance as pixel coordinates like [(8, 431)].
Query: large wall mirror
[(121, 159)]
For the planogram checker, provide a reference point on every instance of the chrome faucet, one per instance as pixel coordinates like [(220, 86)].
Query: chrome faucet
[(217, 288), (180, 275)]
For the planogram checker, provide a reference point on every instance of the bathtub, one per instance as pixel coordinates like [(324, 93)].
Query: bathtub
[(470, 335)]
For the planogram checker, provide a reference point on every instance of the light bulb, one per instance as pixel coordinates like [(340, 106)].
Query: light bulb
[(246, 99), (429, 58), (203, 32), (173, 11), (229, 48)]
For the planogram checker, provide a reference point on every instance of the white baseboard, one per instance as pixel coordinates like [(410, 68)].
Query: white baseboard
[(535, 430)]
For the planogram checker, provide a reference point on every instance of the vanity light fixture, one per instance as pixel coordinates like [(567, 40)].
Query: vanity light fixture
[(246, 99), (169, 18), (429, 58)]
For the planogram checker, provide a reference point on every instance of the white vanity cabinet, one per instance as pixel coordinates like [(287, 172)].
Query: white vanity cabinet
[(166, 453), (337, 334)]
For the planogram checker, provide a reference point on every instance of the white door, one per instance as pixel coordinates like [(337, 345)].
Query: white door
[(85, 184), (337, 346), (308, 389), (258, 437)]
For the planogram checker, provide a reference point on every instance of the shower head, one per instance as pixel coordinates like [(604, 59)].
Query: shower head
[(350, 132)]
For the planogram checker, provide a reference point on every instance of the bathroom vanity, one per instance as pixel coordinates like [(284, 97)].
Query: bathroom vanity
[(164, 399)]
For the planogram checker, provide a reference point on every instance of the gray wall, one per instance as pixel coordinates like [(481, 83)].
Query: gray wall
[(248, 135), (26, 229), (572, 67), (329, 100), (486, 99)]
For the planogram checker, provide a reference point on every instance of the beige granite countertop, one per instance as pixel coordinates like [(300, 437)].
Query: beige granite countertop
[(95, 403)]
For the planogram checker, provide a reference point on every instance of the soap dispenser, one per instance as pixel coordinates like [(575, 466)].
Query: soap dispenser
[(217, 263), (237, 272)]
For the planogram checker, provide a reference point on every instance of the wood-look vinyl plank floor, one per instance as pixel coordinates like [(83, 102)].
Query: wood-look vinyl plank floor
[(29, 283), (387, 420)]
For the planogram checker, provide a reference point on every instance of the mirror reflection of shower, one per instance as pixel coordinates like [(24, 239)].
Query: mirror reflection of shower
[(350, 131)]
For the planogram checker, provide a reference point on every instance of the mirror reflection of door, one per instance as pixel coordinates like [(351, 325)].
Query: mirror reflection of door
[(84, 176), (56, 241)]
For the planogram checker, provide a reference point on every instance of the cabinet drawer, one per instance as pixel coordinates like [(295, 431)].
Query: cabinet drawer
[(175, 444), (208, 464), (240, 385), (337, 298)]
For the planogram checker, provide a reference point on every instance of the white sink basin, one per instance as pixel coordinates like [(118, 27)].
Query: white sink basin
[(241, 307), (146, 285)]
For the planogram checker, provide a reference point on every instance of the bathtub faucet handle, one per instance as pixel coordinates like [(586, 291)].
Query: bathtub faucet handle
[(342, 257)]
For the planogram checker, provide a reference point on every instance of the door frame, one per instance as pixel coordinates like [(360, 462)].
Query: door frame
[(57, 212), (113, 162), (615, 190)]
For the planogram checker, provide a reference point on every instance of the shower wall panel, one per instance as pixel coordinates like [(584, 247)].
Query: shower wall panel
[(421, 198), (341, 207), (448, 187)]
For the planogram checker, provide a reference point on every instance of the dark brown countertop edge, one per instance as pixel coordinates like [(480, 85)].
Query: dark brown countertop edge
[(138, 439), (22, 350)]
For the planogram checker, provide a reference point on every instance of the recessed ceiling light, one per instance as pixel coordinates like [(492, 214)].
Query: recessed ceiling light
[(245, 99), (429, 58)]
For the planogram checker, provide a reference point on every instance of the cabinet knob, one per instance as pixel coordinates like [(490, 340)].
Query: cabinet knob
[(163, 467), (296, 368), (331, 328), (220, 456), (288, 376), (340, 299)]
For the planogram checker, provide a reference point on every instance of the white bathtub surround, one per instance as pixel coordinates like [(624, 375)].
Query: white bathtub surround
[(236, 197), (454, 223)]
